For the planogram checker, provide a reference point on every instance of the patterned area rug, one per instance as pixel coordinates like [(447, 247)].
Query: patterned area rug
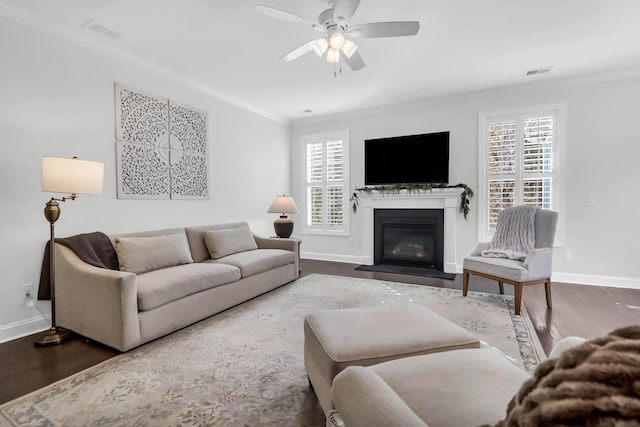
[(244, 367)]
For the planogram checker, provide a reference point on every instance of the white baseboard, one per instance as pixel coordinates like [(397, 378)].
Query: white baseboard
[(23, 328), (597, 280), (319, 256)]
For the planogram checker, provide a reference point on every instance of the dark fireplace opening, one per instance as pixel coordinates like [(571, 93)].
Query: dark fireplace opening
[(409, 238)]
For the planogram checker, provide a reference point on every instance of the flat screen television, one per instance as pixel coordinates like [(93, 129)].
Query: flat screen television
[(410, 159)]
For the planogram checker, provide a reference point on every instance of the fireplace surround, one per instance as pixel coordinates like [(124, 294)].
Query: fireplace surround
[(446, 199)]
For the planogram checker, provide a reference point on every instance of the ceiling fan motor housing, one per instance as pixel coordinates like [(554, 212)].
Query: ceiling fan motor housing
[(326, 19)]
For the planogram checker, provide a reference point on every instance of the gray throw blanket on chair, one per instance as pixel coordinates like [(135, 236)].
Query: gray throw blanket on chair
[(515, 233)]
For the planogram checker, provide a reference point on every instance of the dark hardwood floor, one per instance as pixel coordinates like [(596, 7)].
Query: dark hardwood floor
[(587, 311)]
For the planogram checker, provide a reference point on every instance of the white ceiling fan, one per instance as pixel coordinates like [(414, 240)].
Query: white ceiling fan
[(335, 22)]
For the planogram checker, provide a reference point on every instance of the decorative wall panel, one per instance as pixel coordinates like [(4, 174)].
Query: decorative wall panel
[(161, 147)]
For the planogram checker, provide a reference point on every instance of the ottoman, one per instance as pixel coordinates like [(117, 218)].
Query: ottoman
[(364, 336)]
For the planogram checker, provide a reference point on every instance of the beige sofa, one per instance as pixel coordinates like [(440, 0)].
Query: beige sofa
[(168, 279)]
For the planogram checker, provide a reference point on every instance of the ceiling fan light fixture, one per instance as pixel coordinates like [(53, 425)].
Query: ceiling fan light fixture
[(333, 56), (336, 41), (349, 48), (320, 46)]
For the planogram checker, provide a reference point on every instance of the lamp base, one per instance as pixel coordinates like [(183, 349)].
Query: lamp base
[(53, 336), (283, 226)]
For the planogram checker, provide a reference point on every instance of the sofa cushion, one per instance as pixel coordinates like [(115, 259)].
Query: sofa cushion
[(195, 235), (142, 254), (228, 241), (160, 287), (257, 261), (454, 388)]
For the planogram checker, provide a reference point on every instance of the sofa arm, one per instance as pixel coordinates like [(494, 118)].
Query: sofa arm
[(362, 398), (277, 243), (280, 243), (565, 344), (97, 303), (538, 263)]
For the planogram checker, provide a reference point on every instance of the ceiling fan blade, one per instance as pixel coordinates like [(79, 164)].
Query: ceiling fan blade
[(298, 52), (343, 10), (385, 29), (284, 15), (355, 62)]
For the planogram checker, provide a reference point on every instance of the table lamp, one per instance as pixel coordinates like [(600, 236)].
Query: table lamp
[(283, 205), (72, 177)]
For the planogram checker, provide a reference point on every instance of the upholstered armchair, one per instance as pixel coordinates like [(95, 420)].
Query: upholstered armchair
[(534, 269)]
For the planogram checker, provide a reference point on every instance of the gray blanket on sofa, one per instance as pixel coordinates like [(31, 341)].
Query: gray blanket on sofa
[(515, 233)]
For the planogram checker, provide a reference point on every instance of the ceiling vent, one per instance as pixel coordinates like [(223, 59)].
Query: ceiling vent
[(537, 71), (101, 29)]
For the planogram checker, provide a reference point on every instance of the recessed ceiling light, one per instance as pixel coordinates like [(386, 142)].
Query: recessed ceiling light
[(307, 111)]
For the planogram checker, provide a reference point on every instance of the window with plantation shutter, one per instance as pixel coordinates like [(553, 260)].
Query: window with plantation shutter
[(518, 162), (326, 187)]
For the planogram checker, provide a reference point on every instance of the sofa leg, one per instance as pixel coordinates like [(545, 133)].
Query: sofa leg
[(465, 282), (547, 291), (518, 296), (501, 287)]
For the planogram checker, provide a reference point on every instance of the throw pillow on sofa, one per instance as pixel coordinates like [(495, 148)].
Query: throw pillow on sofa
[(141, 254), (228, 241)]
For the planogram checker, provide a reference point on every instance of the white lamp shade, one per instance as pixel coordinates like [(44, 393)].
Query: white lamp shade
[(283, 204), (333, 56), (349, 48), (320, 46), (71, 176), (336, 41)]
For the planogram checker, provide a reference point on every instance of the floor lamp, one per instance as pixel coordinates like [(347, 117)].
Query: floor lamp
[(73, 177)]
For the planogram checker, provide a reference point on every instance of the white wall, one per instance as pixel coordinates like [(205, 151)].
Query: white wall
[(57, 99), (601, 160)]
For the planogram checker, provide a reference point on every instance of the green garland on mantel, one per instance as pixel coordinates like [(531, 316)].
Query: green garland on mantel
[(465, 196)]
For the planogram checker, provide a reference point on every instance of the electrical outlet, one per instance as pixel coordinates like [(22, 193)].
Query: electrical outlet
[(27, 294)]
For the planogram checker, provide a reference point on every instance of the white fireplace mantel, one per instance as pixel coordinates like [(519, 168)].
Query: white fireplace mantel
[(447, 199)]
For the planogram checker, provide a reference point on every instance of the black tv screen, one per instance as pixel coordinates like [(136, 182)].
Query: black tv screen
[(411, 159)]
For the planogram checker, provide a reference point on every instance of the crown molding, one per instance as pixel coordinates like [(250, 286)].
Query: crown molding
[(445, 99)]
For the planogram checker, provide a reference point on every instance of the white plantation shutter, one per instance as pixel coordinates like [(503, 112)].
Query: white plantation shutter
[(518, 162), (326, 186), (314, 162), (314, 206)]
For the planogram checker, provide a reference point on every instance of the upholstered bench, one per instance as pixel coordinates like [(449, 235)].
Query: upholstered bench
[(364, 336)]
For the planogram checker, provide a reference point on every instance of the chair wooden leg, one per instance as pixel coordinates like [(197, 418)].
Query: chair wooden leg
[(547, 291), (518, 296), (501, 286), (465, 282)]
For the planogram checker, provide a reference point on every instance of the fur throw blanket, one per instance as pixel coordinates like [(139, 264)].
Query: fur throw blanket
[(594, 384), (515, 234)]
